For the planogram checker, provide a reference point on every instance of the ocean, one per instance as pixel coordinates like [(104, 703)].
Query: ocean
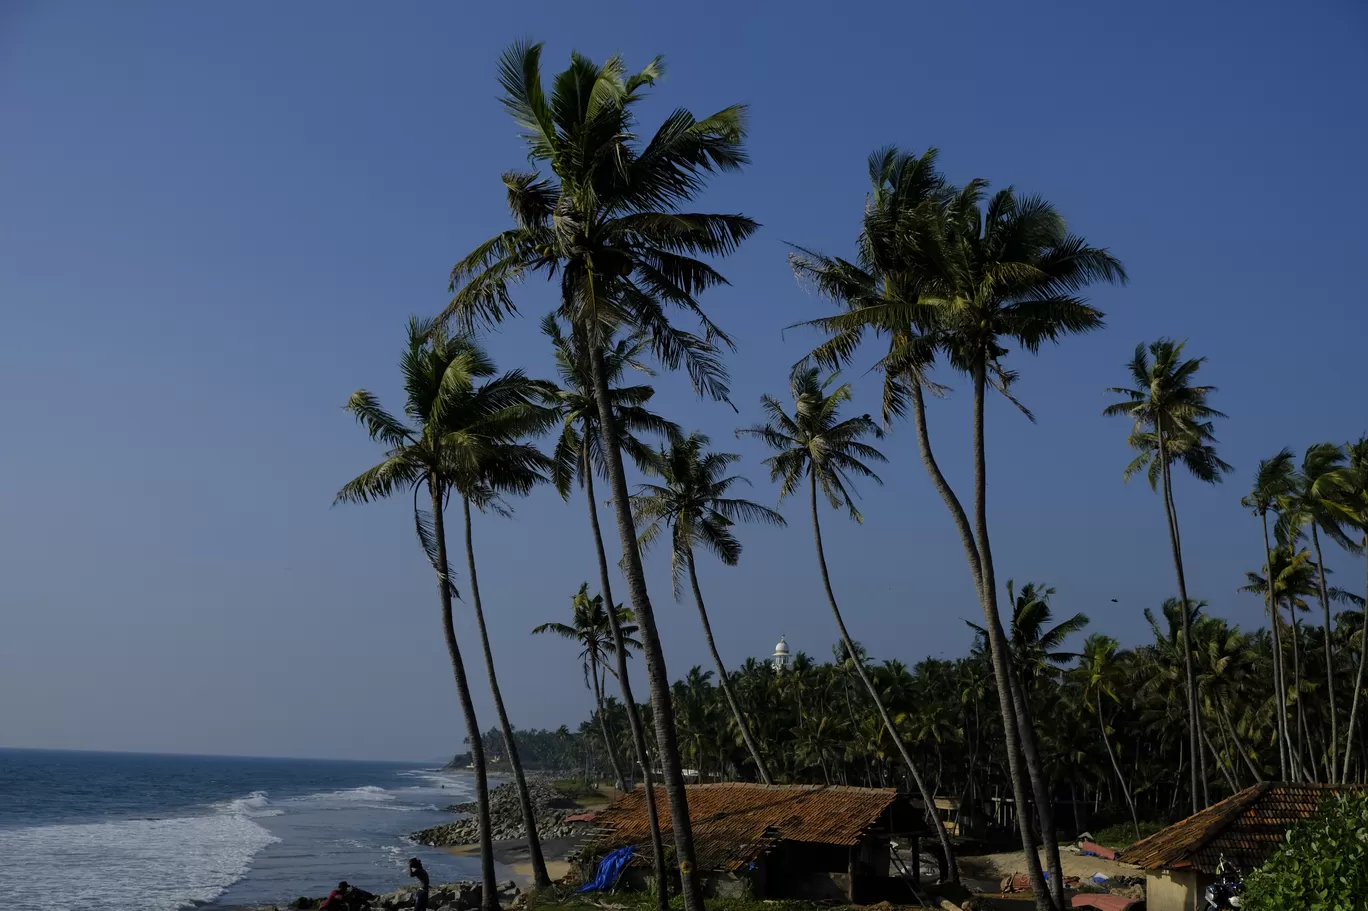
[(134, 832)]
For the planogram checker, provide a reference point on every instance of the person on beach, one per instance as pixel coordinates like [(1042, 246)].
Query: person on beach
[(420, 898), (346, 898)]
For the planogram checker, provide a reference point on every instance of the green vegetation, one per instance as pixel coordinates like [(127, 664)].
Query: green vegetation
[(1323, 866), (943, 277)]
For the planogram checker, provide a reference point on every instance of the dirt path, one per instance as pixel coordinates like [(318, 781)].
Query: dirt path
[(985, 871)]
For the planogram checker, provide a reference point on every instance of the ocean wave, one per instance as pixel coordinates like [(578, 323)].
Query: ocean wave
[(350, 795), (254, 805), (130, 865)]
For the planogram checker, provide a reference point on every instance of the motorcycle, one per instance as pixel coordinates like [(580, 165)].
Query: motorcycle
[(1225, 892)]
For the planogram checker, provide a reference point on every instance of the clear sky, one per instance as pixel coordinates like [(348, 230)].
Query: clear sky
[(215, 219)]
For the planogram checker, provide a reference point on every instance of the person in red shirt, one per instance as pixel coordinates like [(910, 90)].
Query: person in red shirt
[(346, 898)]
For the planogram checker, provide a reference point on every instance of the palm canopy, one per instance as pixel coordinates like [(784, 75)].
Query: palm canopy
[(940, 267), (692, 503), (464, 435), (591, 629), (579, 446), (1166, 407), (1272, 483), (1324, 495), (1100, 668), (815, 442), (1294, 579), (882, 288), (609, 218), (1035, 644)]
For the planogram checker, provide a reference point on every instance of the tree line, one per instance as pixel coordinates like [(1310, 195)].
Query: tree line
[(943, 277)]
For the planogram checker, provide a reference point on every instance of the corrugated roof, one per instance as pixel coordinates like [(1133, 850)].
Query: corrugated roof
[(1246, 829), (735, 823)]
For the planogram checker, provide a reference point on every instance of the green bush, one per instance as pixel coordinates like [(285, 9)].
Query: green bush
[(1323, 866)]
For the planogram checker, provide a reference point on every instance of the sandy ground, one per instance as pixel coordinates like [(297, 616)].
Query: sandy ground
[(514, 855), (985, 871)]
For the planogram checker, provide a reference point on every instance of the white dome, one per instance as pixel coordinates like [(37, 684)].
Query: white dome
[(782, 647)]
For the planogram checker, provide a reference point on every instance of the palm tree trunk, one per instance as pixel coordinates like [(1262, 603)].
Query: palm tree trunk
[(722, 676), (1235, 739), (1329, 660), (951, 871), (1019, 734), (608, 746), (1304, 748), (643, 755), (489, 900), (1278, 684), (997, 645), (1116, 767), (1190, 676), (539, 874), (662, 710), (1206, 738), (1358, 682)]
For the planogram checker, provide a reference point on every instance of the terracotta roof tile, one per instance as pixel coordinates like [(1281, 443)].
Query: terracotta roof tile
[(1246, 829), (735, 823)]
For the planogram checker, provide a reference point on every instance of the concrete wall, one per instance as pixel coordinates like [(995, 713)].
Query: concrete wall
[(1174, 890)]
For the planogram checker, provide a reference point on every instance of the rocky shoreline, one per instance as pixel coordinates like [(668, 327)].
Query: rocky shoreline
[(458, 896), (549, 807)]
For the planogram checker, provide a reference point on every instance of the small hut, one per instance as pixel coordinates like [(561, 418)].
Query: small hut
[(1180, 861), (778, 841)]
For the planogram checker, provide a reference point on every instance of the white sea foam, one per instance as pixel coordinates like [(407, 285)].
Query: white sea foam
[(131, 865)]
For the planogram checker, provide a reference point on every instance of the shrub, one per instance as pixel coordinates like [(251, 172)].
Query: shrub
[(1323, 866)]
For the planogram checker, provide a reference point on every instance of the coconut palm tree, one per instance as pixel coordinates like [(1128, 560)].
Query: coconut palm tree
[(486, 425), (1171, 422), (421, 457), (814, 442), (592, 630), (1357, 454), (1273, 482), (578, 456), (1099, 670), (692, 504), (1322, 498), (609, 221), (936, 270)]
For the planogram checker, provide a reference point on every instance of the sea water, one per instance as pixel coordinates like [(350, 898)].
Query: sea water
[(132, 832)]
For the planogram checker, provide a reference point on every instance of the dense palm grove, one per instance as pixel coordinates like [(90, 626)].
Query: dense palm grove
[(1043, 712)]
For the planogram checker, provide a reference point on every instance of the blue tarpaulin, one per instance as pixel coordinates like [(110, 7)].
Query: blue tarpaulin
[(609, 870)]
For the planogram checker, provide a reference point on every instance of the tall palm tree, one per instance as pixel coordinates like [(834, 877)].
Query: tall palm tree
[(486, 425), (1357, 454), (1273, 482), (814, 442), (592, 630), (421, 457), (936, 270), (1099, 671), (579, 456), (1321, 497), (693, 505), (609, 222), (1172, 422)]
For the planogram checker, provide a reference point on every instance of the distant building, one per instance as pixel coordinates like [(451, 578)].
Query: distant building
[(781, 655)]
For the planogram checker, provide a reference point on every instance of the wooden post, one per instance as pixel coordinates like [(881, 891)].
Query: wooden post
[(916, 861), (850, 870)]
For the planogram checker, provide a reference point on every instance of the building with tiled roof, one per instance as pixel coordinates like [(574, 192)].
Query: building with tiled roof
[(777, 841), (1244, 830)]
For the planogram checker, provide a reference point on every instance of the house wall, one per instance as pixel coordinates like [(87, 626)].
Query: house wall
[(1174, 890)]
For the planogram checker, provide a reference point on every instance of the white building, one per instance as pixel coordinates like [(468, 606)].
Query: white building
[(781, 655)]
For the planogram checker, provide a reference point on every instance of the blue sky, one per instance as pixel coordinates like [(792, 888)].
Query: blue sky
[(216, 219)]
